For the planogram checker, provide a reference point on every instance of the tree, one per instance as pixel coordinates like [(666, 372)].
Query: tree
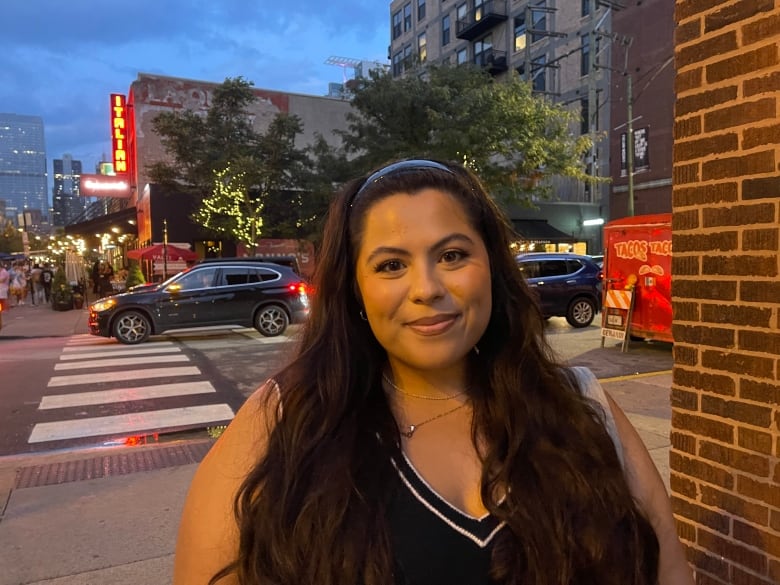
[(10, 238), (135, 275), (240, 173), (514, 140)]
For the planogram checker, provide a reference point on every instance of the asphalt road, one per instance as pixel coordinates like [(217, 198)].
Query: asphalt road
[(64, 393)]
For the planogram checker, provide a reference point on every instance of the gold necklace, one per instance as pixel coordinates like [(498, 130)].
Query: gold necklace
[(408, 430), (405, 393)]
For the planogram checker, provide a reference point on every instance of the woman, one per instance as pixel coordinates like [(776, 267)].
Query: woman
[(423, 433)]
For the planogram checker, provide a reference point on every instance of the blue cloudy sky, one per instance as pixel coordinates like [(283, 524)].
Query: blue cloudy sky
[(60, 60)]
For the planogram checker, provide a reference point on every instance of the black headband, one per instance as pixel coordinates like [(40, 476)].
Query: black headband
[(404, 166)]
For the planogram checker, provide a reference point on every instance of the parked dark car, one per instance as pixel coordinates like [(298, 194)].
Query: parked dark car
[(262, 295), (567, 285)]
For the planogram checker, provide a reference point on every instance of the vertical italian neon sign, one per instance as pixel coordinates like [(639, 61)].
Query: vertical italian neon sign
[(119, 132)]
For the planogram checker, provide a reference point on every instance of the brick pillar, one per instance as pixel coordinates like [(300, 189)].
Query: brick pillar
[(725, 456)]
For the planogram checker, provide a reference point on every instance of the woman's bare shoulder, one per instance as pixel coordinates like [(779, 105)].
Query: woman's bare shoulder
[(208, 532)]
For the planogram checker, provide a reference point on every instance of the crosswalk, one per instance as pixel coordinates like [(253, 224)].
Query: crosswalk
[(104, 389)]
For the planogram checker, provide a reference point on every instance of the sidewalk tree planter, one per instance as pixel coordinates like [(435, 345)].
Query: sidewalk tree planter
[(61, 292)]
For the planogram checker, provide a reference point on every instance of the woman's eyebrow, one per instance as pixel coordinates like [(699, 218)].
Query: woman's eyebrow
[(456, 237)]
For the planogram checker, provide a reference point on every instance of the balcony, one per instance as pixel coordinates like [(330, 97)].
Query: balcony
[(481, 19), (494, 61)]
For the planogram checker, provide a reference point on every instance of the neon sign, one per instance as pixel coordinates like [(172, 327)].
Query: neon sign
[(119, 132), (105, 186)]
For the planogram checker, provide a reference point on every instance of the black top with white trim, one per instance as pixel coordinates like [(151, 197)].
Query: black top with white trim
[(433, 542)]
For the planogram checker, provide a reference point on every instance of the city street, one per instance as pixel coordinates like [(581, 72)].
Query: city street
[(61, 393), (76, 391)]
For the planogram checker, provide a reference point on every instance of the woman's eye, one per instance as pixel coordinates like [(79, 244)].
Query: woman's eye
[(453, 256), (389, 266)]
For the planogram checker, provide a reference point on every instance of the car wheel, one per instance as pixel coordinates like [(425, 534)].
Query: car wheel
[(581, 312), (271, 320), (132, 327)]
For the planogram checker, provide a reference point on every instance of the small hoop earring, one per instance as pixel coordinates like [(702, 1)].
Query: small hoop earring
[(362, 314), (476, 350)]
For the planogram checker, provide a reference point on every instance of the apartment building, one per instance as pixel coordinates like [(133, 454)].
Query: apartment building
[(565, 49)]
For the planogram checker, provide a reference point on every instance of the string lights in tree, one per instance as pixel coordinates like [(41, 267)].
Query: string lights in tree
[(232, 209)]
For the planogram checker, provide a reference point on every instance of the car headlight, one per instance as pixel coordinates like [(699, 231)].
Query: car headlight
[(103, 305)]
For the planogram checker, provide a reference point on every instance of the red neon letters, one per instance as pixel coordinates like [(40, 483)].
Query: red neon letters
[(118, 132)]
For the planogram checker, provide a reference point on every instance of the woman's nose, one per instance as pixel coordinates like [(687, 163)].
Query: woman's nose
[(426, 284)]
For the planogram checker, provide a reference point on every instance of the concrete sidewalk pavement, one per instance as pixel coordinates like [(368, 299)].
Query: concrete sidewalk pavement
[(109, 516)]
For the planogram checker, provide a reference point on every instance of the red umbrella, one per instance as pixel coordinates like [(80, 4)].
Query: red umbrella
[(158, 252)]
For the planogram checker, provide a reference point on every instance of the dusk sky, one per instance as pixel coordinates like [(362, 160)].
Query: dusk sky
[(61, 60)]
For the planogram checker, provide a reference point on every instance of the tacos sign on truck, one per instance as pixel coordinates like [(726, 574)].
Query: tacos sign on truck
[(638, 258)]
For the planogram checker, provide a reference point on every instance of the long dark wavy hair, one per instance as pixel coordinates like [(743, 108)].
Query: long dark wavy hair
[(312, 509)]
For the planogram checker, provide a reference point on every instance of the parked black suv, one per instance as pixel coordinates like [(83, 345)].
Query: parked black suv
[(567, 285), (262, 295)]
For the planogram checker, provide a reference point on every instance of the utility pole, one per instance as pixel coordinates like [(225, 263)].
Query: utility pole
[(165, 249), (630, 142)]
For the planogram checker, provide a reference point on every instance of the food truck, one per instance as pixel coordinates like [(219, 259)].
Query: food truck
[(638, 268)]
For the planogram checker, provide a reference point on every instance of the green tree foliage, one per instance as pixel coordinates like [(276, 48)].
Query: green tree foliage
[(240, 173), (135, 275), (61, 291), (10, 238), (514, 140)]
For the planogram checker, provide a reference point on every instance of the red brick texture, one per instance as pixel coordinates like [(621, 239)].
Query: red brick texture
[(725, 438)]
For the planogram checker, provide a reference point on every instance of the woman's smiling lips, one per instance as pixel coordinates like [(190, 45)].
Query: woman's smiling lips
[(433, 325)]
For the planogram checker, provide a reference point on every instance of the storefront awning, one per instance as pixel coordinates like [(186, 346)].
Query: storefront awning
[(104, 223), (538, 230)]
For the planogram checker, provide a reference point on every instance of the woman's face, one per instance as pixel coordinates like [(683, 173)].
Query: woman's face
[(424, 278)]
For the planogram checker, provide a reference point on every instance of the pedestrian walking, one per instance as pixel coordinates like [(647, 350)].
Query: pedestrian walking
[(5, 279), (47, 275), (36, 285), (423, 433), (18, 284)]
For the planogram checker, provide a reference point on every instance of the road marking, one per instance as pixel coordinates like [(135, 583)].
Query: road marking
[(122, 351), (112, 347), (123, 424), (125, 394), (100, 377), (131, 361)]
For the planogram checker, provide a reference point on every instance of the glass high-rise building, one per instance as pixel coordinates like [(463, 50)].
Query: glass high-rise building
[(67, 202), (22, 166)]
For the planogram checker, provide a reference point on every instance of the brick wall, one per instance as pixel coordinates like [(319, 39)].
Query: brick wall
[(725, 456)]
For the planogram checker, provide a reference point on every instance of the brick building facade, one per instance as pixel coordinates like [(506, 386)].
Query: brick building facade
[(725, 456)]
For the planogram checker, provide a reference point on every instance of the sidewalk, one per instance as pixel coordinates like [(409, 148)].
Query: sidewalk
[(42, 321), (109, 516)]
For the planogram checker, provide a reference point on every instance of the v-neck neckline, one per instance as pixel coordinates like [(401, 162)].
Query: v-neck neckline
[(480, 530)]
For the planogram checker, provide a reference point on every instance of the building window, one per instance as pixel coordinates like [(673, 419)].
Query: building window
[(520, 28), (584, 116), (585, 55), (538, 22), (462, 56), (585, 7), (408, 17), (482, 49), (462, 11), (479, 11), (445, 30), (420, 10), (396, 25), (407, 60), (538, 73), (397, 66), (422, 48)]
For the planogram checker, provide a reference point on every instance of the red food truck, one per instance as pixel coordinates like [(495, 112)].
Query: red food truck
[(638, 259)]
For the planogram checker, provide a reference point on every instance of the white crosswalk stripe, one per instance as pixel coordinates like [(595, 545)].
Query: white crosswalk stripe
[(153, 374), (123, 361)]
